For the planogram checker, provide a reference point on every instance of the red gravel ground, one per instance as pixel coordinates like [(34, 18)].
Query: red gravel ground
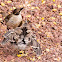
[(45, 17)]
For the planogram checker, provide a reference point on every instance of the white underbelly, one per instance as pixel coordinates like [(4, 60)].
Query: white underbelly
[(14, 20)]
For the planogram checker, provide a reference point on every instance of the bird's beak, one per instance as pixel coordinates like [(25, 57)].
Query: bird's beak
[(21, 8)]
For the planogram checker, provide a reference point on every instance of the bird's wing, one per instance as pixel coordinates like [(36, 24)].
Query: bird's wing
[(8, 17)]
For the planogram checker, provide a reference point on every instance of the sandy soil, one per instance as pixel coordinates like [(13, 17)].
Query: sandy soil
[(45, 17)]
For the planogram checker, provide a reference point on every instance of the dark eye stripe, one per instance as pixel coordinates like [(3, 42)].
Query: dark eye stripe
[(16, 13)]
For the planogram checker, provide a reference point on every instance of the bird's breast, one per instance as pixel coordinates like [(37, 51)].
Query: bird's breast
[(17, 18), (14, 21)]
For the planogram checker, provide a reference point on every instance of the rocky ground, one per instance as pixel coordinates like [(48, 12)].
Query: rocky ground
[(45, 17)]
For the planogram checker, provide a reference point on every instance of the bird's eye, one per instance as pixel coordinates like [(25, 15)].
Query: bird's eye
[(17, 13)]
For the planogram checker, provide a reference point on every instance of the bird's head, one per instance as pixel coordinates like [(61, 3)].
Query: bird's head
[(17, 11)]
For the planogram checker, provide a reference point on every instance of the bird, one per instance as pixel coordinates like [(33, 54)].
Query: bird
[(22, 38), (14, 19)]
